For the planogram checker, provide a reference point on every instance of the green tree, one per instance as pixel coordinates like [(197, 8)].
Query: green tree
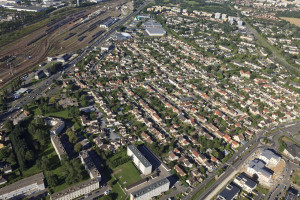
[(52, 179), (29, 155), (8, 125), (72, 137), (78, 147), (4, 153), (45, 164)]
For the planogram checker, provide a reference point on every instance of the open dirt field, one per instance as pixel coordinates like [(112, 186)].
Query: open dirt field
[(54, 43), (295, 21)]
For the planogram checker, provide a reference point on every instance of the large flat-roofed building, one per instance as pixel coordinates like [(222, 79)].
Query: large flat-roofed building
[(76, 190), (89, 165), (257, 167), (229, 193), (293, 151), (23, 188), (139, 160), (57, 124), (58, 146), (245, 183), (152, 190), (152, 24), (269, 157), (108, 22), (26, 9), (155, 31)]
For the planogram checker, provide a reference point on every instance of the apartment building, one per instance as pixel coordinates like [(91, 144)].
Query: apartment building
[(269, 157), (89, 165), (23, 188), (245, 183), (139, 160), (257, 167), (57, 125), (152, 190), (77, 190), (58, 146)]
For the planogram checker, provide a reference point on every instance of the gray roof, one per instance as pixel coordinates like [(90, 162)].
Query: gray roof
[(89, 163), (38, 178), (139, 155), (294, 150), (150, 187), (58, 144), (290, 196), (229, 192), (269, 154), (259, 166), (152, 23), (156, 31), (249, 182), (74, 188)]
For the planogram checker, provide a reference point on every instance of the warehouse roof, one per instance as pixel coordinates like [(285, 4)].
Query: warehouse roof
[(156, 31)]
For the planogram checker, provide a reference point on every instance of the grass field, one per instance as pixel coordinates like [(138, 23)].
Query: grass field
[(127, 174), (62, 114), (116, 192), (295, 21)]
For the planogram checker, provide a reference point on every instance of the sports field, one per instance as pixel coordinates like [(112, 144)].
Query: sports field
[(127, 174)]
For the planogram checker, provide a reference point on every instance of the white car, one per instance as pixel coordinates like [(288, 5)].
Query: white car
[(107, 192)]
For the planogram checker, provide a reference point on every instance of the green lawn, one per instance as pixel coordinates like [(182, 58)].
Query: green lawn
[(116, 192), (62, 114), (119, 155), (127, 173), (63, 185)]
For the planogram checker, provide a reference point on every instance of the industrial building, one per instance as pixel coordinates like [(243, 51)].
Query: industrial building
[(108, 22), (39, 74), (26, 9), (23, 188), (139, 160), (152, 190), (152, 24), (155, 31), (77, 190)]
